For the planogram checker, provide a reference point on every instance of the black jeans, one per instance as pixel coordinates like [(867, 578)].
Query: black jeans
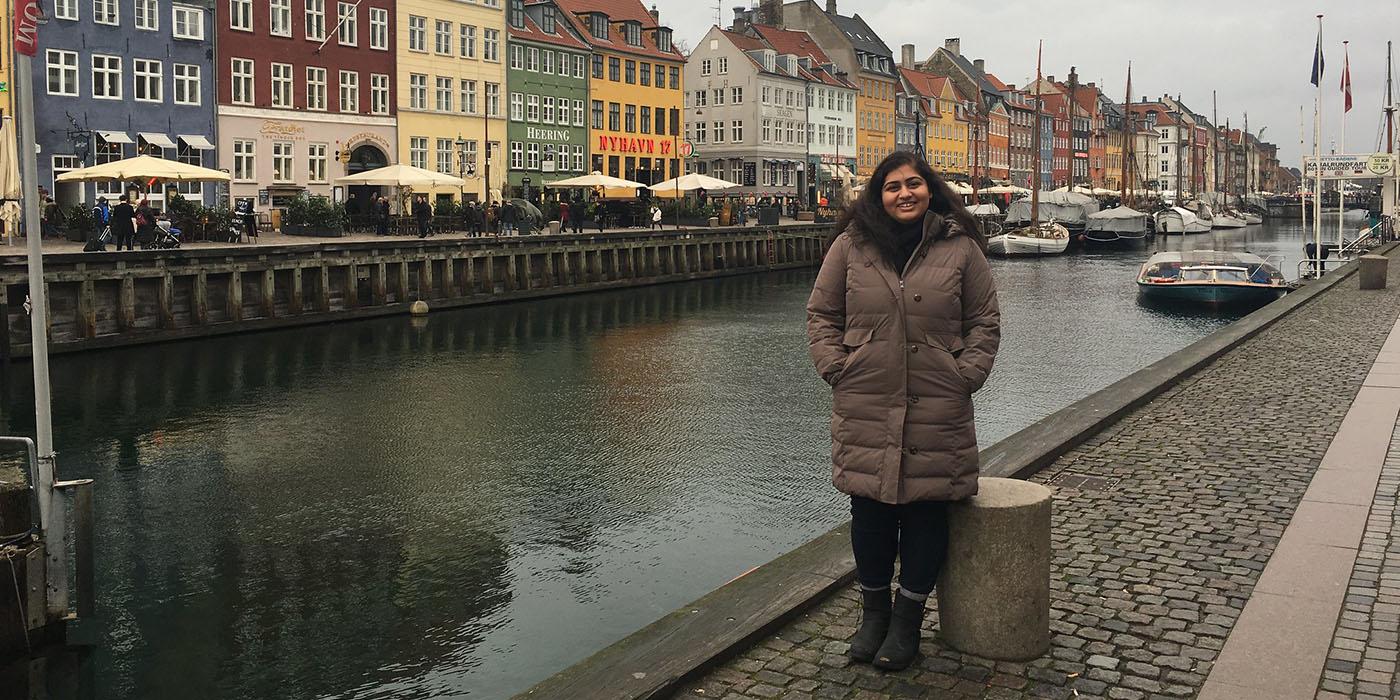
[(915, 532)]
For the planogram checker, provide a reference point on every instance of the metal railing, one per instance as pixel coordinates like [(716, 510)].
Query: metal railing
[(49, 519)]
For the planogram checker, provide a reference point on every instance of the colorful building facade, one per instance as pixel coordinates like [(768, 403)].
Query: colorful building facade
[(547, 136)]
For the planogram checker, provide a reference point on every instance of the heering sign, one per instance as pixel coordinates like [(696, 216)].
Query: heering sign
[(626, 144), (535, 133)]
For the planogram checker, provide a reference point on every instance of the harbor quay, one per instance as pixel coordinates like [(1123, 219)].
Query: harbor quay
[(1224, 527), (103, 300)]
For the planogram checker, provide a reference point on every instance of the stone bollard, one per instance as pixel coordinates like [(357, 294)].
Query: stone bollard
[(714, 221), (555, 227), (994, 594), (1373, 271), (418, 308)]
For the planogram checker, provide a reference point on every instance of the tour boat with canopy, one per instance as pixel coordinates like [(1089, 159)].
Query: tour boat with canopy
[(1212, 277)]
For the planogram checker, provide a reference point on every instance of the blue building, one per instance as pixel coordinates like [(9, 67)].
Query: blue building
[(119, 78), (1047, 153)]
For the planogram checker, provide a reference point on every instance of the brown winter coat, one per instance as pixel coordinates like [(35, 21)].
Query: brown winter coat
[(903, 356)]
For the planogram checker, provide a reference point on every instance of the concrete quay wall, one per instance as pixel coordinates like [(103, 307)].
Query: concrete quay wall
[(101, 300)]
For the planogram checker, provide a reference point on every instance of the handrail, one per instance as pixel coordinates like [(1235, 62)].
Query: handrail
[(32, 475)]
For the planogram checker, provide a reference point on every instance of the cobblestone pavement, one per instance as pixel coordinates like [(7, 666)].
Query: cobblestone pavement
[(1150, 575), (1361, 662)]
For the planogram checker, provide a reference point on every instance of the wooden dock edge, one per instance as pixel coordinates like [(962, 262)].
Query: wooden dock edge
[(655, 661)]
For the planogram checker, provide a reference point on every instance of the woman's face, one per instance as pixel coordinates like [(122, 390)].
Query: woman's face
[(905, 195)]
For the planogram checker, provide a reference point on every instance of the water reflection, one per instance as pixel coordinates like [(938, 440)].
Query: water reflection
[(462, 506)]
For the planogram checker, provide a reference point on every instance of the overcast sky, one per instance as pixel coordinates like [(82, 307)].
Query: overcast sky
[(1257, 54)]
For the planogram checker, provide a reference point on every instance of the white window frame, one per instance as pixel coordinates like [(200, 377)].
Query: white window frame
[(186, 79), (532, 108), (532, 156), (517, 155), (443, 88), (283, 162), (240, 15), (347, 31), (146, 15), (315, 88), (107, 70), (106, 12), (578, 113), (418, 91), (379, 28), (315, 15), (517, 107), (189, 17), (151, 78), (316, 162), (547, 110), (65, 9), (418, 151), (348, 82), (379, 93), (493, 107), (65, 69), (467, 38), (417, 34), (241, 81), (444, 155), (245, 160), (279, 17), (281, 82), (442, 37), (491, 44), (467, 96)]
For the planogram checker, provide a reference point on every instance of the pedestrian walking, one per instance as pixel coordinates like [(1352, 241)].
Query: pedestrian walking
[(145, 223), (579, 209), (655, 217), (122, 221), (101, 215), (423, 214), (563, 215), (903, 324), (508, 218)]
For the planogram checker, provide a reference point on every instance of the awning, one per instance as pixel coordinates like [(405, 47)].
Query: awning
[(156, 139), (114, 136), (845, 172), (196, 142)]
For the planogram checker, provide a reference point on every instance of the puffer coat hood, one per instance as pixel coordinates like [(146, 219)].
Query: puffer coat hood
[(903, 352)]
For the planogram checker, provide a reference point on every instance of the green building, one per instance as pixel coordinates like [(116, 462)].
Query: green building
[(547, 77)]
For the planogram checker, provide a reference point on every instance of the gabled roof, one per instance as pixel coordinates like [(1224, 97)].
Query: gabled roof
[(618, 11), (964, 65), (861, 36), (925, 84), (533, 32), (744, 42), (996, 82), (797, 43)]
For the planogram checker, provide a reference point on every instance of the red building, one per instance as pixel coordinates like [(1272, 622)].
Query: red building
[(305, 94)]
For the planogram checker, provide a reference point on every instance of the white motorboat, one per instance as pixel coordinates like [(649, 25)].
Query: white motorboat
[(1049, 238), (1211, 277), (1177, 220), (1227, 219), (1252, 219)]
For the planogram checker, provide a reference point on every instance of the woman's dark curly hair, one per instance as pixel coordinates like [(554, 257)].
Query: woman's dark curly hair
[(866, 217)]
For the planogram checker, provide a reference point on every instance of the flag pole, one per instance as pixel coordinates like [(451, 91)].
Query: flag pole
[(1341, 150), (1317, 154)]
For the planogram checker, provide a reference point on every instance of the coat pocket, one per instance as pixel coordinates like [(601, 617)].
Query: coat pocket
[(853, 340), (952, 347)]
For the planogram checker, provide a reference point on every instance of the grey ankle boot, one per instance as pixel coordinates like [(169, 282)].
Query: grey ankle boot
[(902, 642), (874, 625)]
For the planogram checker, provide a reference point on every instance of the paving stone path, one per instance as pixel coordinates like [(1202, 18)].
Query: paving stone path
[(1361, 663), (1150, 575)]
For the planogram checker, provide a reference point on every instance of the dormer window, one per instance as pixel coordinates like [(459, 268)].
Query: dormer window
[(632, 33), (517, 14), (769, 59), (547, 19), (663, 39), (598, 25)]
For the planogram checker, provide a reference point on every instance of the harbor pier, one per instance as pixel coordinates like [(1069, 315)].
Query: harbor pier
[(1224, 526)]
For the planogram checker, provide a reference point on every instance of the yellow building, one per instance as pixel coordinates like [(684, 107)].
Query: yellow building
[(947, 129), (875, 107), (7, 59), (635, 89), (451, 84)]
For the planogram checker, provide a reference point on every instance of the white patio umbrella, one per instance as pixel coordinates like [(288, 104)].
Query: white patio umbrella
[(9, 179), (401, 175), (596, 179), (145, 168), (692, 181), (960, 188)]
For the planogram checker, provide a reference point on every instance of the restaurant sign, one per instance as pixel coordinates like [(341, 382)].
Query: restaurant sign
[(628, 144)]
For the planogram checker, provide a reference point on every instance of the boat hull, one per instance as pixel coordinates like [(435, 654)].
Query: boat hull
[(1222, 221), (1010, 245), (1210, 294)]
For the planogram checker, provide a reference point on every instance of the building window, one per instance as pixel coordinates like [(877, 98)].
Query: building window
[(491, 45), (614, 69), (315, 88), (578, 113), (280, 17), (547, 60), (493, 102), (660, 121), (675, 78), (614, 116), (630, 126), (660, 76), (148, 80), (243, 160), (468, 97), (517, 14), (418, 152), (241, 84), (348, 32), (417, 33), (444, 156), (316, 162), (578, 158), (517, 155), (736, 95), (532, 156), (379, 93), (598, 25), (190, 156), (281, 85), (645, 74), (532, 108), (597, 66), (417, 91), (646, 120), (68, 9), (315, 19), (718, 131), (468, 41), (282, 161), (379, 28), (723, 65), (62, 72), (147, 15), (597, 111), (578, 67), (517, 107), (442, 97), (719, 96), (736, 131), (547, 110), (630, 74), (517, 57), (105, 11), (186, 84), (547, 19), (442, 37), (349, 91), (706, 67), (106, 77), (189, 23)]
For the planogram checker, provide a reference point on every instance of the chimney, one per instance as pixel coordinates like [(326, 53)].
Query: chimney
[(831, 7), (655, 16), (954, 46), (980, 65), (741, 20), (1091, 86), (1050, 78), (770, 13), (906, 56)]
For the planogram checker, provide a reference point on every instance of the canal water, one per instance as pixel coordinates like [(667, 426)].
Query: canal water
[(463, 505)]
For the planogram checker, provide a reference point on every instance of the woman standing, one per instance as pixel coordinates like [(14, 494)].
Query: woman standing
[(903, 324)]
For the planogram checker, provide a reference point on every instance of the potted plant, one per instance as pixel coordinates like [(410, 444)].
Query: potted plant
[(313, 216)]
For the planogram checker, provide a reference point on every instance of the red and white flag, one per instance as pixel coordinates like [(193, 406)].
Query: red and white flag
[(1346, 81), (27, 15)]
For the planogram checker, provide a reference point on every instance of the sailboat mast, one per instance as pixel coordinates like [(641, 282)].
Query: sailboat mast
[(1229, 161), (1035, 180), (1389, 104), (1247, 167), (1127, 149)]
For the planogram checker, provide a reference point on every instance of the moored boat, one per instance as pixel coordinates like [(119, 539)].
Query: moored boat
[(1178, 220), (1116, 226), (1226, 219), (1211, 277), (1046, 238)]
